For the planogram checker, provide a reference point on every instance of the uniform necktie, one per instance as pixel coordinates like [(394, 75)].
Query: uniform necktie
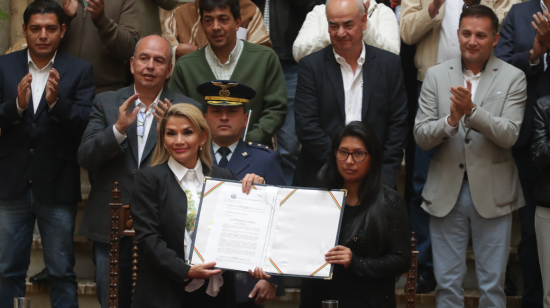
[(224, 152)]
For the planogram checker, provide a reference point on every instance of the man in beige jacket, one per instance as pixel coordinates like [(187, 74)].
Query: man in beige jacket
[(432, 25), (470, 113)]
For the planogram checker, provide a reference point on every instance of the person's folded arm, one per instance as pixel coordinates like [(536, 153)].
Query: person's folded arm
[(504, 129), (415, 21), (146, 220), (429, 128), (313, 138), (541, 134), (383, 30), (397, 258), (313, 35), (120, 38)]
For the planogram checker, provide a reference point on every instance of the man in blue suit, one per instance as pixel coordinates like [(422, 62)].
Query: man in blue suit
[(526, 48), (45, 101), (227, 120)]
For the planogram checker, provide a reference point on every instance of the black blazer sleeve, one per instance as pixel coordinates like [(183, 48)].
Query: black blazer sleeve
[(541, 134), (149, 230), (308, 128), (396, 133), (397, 259)]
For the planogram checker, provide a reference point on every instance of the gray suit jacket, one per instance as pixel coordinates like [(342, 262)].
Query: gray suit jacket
[(482, 146), (99, 151)]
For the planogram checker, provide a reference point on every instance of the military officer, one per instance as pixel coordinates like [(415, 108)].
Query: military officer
[(227, 118)]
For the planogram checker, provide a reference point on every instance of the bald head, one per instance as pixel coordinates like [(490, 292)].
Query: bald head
[(346, 4), (151, 64), (161, 42)]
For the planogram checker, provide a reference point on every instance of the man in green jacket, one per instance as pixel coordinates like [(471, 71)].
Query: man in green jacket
[(227, 58)]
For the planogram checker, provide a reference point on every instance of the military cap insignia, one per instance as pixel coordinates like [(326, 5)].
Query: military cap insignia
[(224, 92)]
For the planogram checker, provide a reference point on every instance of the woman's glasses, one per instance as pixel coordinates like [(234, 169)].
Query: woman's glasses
[(358, 156)]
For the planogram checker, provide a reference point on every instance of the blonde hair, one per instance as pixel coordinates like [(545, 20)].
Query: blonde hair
[(199, 123)]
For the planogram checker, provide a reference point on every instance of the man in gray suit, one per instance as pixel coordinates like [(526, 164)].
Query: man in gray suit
[(120, 139), (472, 181)]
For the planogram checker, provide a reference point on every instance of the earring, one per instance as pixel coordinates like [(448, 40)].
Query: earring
[(200, 148), (165, 146)]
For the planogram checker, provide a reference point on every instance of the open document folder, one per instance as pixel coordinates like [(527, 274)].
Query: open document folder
[(284, 230)]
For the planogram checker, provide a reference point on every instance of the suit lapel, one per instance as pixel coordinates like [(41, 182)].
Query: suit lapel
[(152, 137), (336, 80), (369, 81), (59, 65), (486, 80), (239, 159), (131, 132)]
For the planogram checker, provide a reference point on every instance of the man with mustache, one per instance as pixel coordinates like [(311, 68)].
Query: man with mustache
[(344, 82), (228, 58), (118, 141), (45, 101)]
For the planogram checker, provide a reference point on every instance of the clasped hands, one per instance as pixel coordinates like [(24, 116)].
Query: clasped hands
[(461, 103), (24, 89)]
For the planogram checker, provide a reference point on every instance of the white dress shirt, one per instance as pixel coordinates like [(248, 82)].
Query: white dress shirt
[(474, 80), (38, 83), (223, 71), (382, 31), (147, 125), (216, 147), (190, 181), (449, 47), (353, 86)]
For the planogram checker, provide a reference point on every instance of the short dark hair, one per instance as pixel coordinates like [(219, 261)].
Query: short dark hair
[(210, 5), (43, 7), (478, 11)]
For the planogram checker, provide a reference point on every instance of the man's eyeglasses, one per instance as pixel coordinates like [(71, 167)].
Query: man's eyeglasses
[(358, 156)]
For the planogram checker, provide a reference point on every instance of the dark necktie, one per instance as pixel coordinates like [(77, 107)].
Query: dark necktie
[(224, 152)]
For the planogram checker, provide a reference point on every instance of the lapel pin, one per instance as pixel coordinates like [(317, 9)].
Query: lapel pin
[(244, 154)]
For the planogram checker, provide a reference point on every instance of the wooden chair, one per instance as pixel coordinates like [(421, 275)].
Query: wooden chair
[(121, 225), (410, 288)]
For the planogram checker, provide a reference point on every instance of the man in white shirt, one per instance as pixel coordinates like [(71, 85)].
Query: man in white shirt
[(431, 25), (382, 30), (45, 101), (119, 140), (344, 82), (470, 114)]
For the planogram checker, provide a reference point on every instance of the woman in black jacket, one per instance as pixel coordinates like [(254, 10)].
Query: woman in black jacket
[(374, 243), (541, 159), (163, 207)]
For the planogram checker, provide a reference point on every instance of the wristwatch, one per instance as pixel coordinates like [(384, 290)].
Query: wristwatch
[(472, 110)]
